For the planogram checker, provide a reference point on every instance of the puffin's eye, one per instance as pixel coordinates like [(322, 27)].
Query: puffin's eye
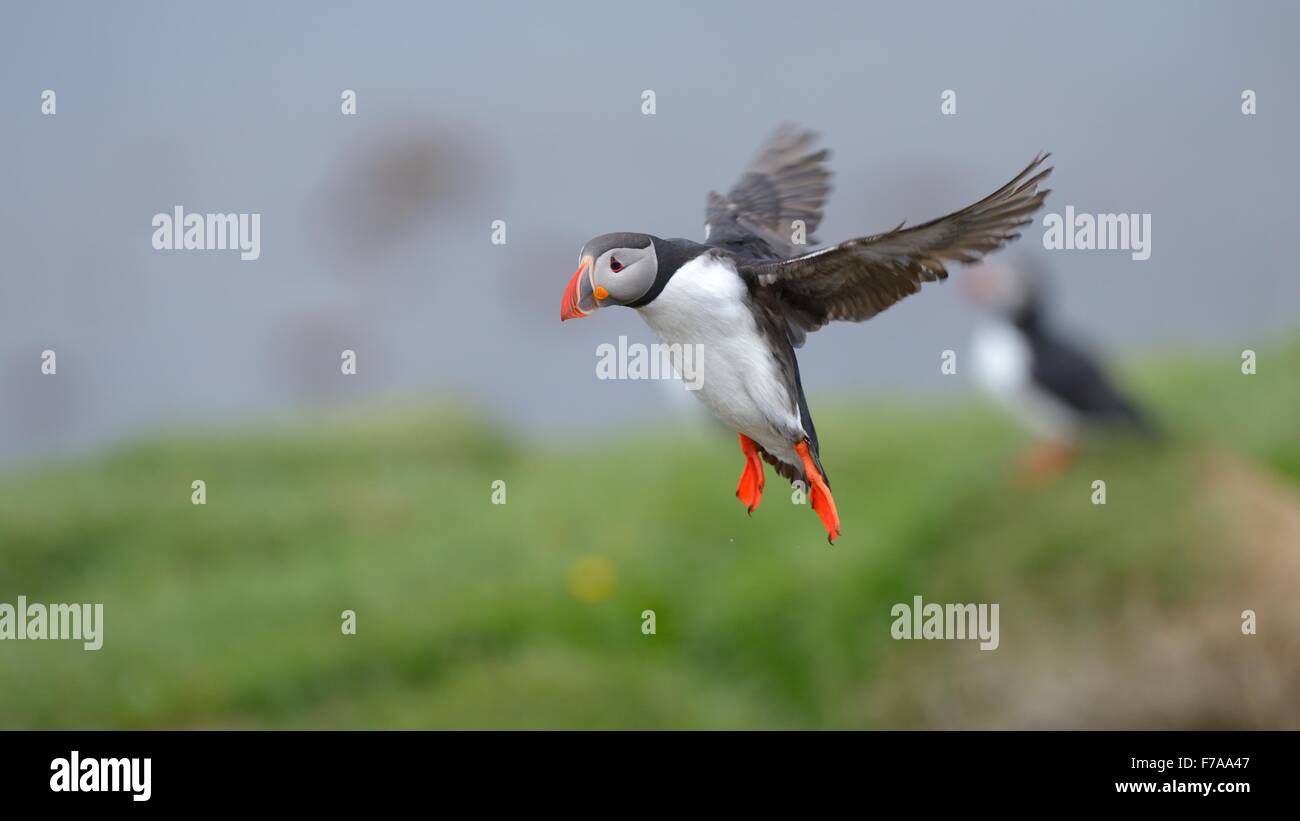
[(615, 265)]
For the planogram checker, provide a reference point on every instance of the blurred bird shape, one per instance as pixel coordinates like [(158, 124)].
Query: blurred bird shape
[(1050, 385)]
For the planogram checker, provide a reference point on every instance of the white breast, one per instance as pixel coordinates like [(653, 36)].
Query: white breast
[(1002, 364), (1001, 357), (705, 304)]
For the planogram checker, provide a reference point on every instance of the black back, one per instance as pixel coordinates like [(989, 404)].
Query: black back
[(1073, 376)]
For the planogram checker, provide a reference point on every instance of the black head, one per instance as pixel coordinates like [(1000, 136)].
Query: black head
[(1012, 290), (613, 269), (625, 269)]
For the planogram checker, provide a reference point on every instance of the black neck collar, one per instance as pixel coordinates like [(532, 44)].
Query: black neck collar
[(671, 254)]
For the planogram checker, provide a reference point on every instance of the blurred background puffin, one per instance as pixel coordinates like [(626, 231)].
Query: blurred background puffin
[(1048, 383)]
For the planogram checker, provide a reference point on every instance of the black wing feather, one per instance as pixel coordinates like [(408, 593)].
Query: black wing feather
[(786, 182), (858, 279)]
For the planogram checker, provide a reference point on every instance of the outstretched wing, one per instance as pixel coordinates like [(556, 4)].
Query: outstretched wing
[(786, 182), (858, 279)]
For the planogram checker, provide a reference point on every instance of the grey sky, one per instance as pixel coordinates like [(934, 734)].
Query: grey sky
[(376, 228)]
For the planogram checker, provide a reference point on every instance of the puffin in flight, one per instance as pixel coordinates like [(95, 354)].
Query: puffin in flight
[(1050, 385), (750, 293)]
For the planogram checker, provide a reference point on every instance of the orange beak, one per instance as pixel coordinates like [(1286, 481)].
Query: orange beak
[(579, 299)]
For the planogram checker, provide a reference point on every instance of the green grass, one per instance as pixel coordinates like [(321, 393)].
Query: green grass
[(228, 614)]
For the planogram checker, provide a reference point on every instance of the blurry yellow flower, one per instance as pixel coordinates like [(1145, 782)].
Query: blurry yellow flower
[(591, 578)]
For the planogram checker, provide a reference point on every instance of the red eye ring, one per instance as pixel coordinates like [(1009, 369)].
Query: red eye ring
[(615, 265)]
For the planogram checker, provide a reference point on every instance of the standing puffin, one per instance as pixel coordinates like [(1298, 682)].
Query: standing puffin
[(749, 294), (1051, 386)]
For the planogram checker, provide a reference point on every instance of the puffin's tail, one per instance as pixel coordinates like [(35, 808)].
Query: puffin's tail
[(1139, 420)]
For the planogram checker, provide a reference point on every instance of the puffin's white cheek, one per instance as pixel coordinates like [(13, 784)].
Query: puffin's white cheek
[(621, 287), (632, 283)]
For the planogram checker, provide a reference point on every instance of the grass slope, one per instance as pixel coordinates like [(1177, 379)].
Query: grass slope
[(479, 615)]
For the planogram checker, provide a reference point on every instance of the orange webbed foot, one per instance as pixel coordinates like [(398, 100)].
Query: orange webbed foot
[(823, 503), (752, 481), (1044, 462)]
